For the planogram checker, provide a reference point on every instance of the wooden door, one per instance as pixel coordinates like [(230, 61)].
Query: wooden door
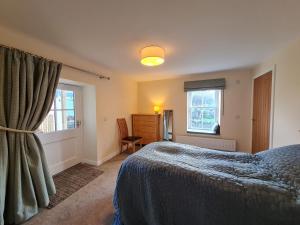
[(261, 112)]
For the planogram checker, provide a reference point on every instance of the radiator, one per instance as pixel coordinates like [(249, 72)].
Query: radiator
[(204, 142)]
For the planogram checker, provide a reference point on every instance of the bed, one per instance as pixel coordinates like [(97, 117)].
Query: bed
[(174, 184)]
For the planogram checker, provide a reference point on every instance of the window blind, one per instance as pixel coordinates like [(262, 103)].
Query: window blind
[(197, 85)]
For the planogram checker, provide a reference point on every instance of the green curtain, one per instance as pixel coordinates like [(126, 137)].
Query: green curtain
[(27, 90)]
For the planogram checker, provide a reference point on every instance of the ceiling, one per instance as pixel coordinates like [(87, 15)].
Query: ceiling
[(198, 35)]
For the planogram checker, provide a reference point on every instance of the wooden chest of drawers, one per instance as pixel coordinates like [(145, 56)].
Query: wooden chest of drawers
[(146, 126)]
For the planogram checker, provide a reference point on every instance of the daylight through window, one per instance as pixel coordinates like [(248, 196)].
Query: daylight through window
[(203, 114), (62, 113)]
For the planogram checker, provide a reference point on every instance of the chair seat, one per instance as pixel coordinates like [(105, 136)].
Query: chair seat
[(132, 138)]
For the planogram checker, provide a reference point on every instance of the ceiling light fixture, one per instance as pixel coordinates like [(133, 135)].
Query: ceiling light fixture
[(152, 56)]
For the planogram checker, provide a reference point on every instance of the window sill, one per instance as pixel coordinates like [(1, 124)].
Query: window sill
[(202, 133)]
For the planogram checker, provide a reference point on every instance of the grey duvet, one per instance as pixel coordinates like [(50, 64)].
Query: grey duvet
[(173, 184)]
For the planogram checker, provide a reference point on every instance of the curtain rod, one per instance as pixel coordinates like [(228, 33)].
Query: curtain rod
[(99, 76)]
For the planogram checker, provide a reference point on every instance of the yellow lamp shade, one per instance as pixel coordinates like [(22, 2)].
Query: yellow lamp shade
[(152, 56), (156, 109)]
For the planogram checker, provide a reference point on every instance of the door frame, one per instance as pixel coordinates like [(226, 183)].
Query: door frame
[(273, 70)]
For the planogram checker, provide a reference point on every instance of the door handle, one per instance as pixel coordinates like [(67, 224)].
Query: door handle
[(78, 123)]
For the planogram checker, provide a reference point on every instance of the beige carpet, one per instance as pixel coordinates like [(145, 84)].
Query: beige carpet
[(91, 205)]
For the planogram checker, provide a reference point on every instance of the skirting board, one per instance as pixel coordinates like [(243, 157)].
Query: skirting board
[(91, 162), (103, 160), (61, 166)]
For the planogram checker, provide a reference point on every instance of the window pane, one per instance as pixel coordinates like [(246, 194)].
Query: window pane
[(58, 99), (59, 120), (209, 119), (204, 98), (197, 99), (64, 99), (68, 99), (69, 119), (65, 119), (48, 124)]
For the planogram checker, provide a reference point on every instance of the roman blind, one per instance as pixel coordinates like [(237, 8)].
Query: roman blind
[(197, 85)]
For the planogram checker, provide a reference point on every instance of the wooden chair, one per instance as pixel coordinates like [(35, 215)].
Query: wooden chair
[(124, 138)]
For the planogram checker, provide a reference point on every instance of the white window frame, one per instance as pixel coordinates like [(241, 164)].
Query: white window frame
[(65, 87), (219, 108)]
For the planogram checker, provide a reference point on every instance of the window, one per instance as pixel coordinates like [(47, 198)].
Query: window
[(203, 108), (62, 113)]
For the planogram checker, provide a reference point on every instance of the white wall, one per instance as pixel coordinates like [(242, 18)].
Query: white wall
[(89, 124), (114, 98), (236, 121), (287, 94)]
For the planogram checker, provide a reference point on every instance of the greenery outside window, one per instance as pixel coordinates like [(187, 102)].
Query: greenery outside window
[(204, 111)]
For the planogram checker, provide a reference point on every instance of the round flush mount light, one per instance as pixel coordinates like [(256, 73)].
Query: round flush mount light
[(152, 56)]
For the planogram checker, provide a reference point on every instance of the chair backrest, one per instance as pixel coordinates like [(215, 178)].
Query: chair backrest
[(123, 129)]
